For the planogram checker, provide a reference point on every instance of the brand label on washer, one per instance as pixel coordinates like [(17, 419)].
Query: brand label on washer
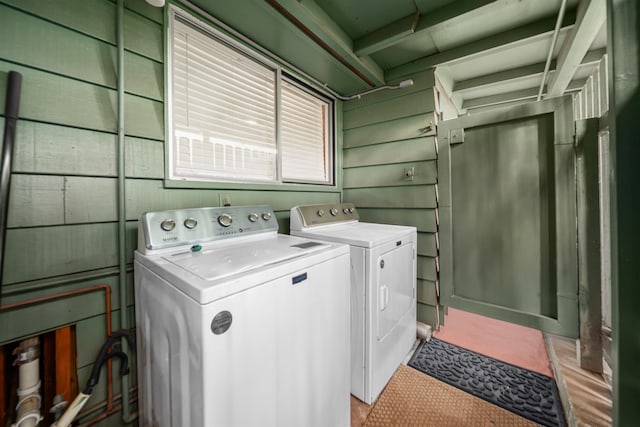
[(221, 322)]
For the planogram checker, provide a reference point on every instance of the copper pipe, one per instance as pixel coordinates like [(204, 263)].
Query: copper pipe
[(107, 414), (107, 306), (103, 416), (101, 405)]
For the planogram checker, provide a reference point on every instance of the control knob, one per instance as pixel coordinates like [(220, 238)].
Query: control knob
[(333, 211), (320, 212), (168, 225), (225, 220), (253, 217), (266, 216), (190, 223)]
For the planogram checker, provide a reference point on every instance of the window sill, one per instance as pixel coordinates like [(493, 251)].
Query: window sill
[(170, 183)]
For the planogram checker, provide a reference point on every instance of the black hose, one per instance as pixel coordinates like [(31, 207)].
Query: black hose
[(11, 107), (105, 354), (97, 367)]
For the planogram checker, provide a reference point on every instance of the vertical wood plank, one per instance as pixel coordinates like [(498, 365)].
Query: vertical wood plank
[(604, 87), (623, 25), (3, 384), (589, 277), (47, 374), (65, 363)]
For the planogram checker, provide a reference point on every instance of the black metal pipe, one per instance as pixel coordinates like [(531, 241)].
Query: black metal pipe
[(11, 107)]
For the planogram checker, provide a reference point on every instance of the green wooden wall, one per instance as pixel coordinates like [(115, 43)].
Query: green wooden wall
[(623, 27), (386, 134), (62, 226)]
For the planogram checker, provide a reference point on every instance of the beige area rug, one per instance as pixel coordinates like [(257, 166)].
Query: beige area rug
[(414, 399)]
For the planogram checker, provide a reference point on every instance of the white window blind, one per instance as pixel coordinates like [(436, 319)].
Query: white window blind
[(304, 135), (224, 123), (236, 118)]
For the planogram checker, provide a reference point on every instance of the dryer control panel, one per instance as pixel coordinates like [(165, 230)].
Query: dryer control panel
[(312, 215), (166, 229)]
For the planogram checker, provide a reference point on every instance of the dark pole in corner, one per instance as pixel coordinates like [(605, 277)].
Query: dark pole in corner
[(11, 107)]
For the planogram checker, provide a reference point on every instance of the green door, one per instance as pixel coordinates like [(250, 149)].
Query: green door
[(507, 208)]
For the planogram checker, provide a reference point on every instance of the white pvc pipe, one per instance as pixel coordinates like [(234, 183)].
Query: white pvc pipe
[(554, 40), (401, 85), (28, 408), (74, 409), (29, 375)]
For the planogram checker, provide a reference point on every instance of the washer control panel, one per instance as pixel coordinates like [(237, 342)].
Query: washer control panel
[(311, 215), (164, 229)]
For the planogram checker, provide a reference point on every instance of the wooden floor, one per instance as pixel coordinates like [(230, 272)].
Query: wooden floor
[(586, 396), (589, 396)]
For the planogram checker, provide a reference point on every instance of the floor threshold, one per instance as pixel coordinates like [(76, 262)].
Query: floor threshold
[(585, 395)]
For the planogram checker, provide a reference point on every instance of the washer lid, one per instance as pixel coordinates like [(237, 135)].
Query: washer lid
[(363, 234), (224, 269), (220, 262)]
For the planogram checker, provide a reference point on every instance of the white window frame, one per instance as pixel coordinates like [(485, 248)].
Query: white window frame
[(280, 75)]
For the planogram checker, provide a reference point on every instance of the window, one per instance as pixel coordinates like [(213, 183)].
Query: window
[(237, 118), (304, 134)]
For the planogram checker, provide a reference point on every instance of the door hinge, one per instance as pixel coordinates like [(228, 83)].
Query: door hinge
[(456, 136)]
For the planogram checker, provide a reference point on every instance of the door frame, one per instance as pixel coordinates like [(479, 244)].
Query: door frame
[(567, 321)]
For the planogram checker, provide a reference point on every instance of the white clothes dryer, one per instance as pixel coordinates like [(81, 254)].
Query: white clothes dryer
[(383, 289), (238, 325)]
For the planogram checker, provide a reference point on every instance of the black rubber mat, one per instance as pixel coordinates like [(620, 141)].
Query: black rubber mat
[(529, 394)]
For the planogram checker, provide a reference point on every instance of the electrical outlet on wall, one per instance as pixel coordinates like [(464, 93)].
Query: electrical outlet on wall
[(225, 199)]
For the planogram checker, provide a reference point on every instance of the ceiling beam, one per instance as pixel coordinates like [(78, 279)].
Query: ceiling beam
[(386, 36), (399, 30), (501, 40), (590, 19), (592, 57), (500, 77), (518, 95), (444, 85), (308, 17)]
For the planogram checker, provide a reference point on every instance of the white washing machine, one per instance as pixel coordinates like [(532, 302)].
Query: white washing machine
[(383, 289), (238, 325)]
